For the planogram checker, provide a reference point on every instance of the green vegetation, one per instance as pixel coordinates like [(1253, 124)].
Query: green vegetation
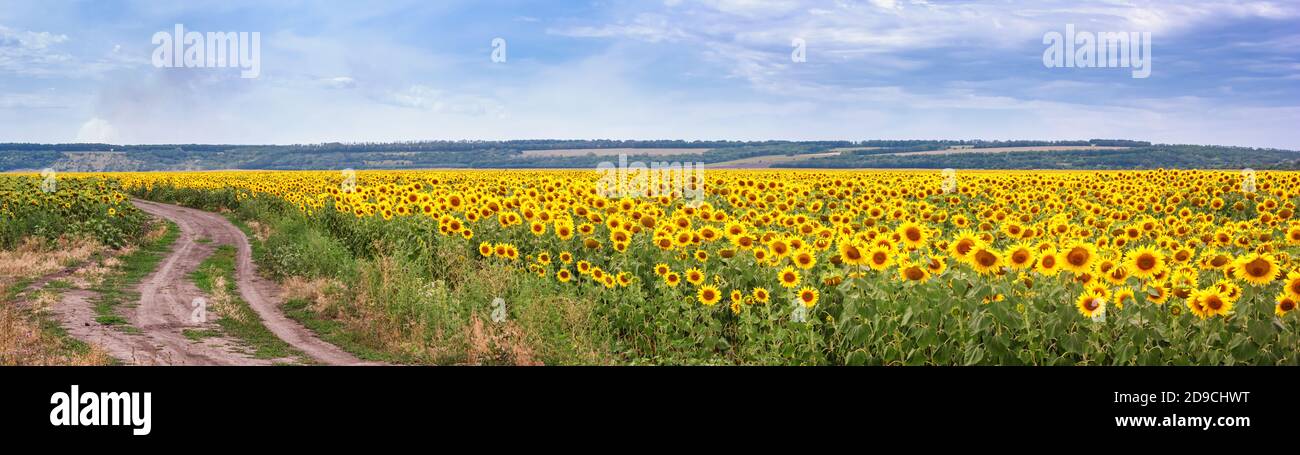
[(510, 154), (199, 335), (215, 276), (97, 207), (1152, 157), (119, 287), (409, 295), (399, 155), (50, 341)]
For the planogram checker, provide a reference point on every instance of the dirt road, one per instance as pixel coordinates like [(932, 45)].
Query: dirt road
[(157, 323)]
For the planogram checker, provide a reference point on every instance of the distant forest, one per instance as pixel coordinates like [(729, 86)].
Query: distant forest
[(1146, 157), (510, 154)]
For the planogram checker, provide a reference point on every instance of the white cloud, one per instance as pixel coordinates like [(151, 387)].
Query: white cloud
[(886, 4), (645, 27), (339, 82), (28, 52), (428, 98), (97, 130)]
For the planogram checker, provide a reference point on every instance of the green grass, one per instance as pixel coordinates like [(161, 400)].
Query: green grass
[(245, 325), (119, 287), (328, 330), (199, 335), (335, 333), (64, 344)]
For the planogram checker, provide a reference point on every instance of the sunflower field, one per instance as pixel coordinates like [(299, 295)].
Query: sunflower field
[(829, 267), (49, 207)]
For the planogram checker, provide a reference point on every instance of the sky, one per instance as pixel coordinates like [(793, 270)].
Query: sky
[(1221, 72)]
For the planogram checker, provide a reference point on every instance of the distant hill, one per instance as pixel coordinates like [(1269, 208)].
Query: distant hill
[(972, 154)]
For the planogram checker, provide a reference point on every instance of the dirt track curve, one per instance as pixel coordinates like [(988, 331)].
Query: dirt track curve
[(164, 309)]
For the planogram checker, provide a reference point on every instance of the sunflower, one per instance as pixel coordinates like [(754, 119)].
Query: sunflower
[(880, 258), (804, 259), (1090, 304), (964, 244), (1122, 296), (662, 269), (1228, 289), (694, 276), (808, 296), (1208, 303), (1292, 287), (851, 254), (1078, 257), (760, 295), (912, 234), (1255, 268), (1158, 294), (708, 295), (936, 265), (1285, 304), (701, 255), (985, 260), (1117, 275), (563, 275), (1213, 259), (789, 277), (1020, 257), (1145, 262), (1048, 263), (913, 272), (1293, 235), (485, 249), (672, 279)]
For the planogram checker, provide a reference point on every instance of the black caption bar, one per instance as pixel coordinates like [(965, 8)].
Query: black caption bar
[(146, 405)]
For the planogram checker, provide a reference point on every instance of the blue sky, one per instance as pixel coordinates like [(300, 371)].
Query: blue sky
[(1223, 72)]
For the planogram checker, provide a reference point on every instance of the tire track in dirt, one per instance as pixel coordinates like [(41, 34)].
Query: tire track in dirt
[(160, 338), (162, 295)]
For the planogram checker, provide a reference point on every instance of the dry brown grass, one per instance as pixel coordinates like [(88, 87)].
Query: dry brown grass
[(23, 342), (92, 275), (260, 231), (576, 316), (395, 310), (321, 294), (156, 232), (34, 257), (221, 302), (497, 343)]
